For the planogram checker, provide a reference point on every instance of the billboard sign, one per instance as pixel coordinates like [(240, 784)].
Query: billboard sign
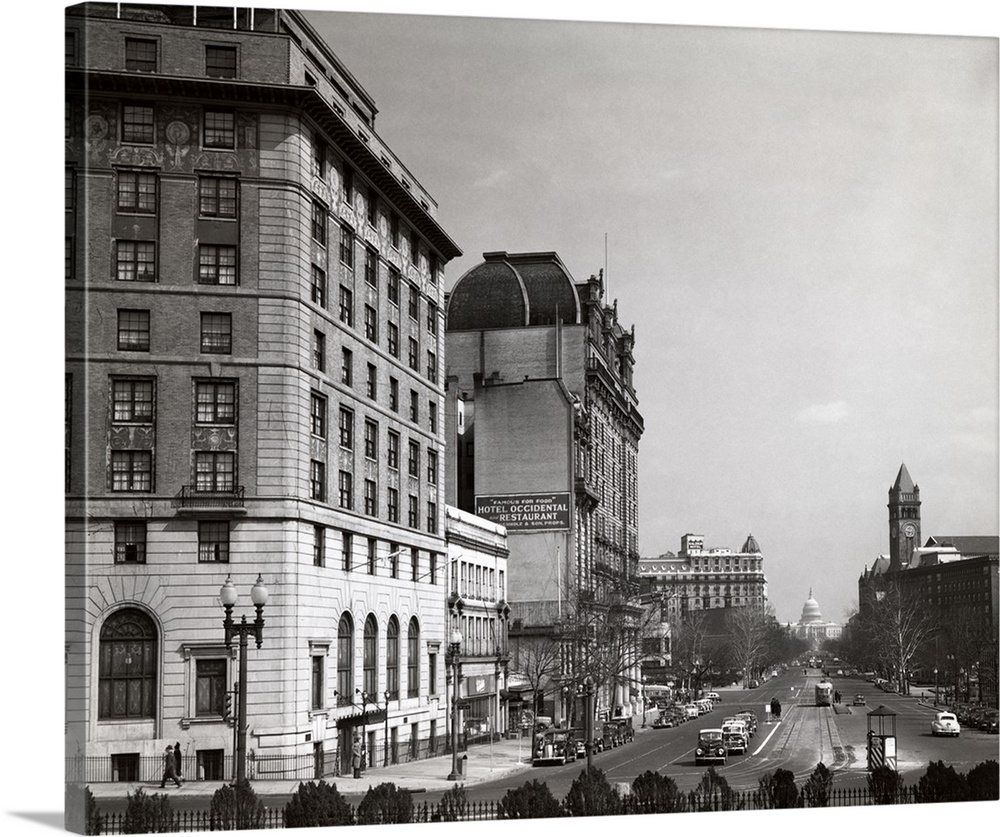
[(527, 512)]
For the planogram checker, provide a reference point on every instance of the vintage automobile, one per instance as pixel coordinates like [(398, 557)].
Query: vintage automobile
[(553, 746), (713, 696), (691, 710), (735, 736), (711, 748), (859, 700), (945, 723), (750, 719), (663, 721), (626, 731)]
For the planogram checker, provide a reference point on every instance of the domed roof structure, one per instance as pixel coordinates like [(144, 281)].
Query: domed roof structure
[(810, 610), (513, 290), (750, 545)]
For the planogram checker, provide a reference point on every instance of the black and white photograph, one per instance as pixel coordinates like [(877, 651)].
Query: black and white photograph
[(478, 412)]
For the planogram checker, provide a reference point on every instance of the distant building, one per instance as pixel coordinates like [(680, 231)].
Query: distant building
[(953, 575), (812, 627), (543, 425)]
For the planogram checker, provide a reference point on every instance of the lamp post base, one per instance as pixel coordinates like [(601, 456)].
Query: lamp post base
[(454, 777)]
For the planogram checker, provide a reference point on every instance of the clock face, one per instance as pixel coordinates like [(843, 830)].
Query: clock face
[(909, 530)]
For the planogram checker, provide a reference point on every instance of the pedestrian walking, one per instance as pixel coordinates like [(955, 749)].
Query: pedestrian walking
[(169, 768), (356, 756), (177, 761)]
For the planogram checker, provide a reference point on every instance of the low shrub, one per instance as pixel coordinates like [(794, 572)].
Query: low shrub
[(532, 800), (314, 805), (591, 795), (385, 803)]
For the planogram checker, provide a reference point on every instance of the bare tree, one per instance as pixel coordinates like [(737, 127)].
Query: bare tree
[(697, 648), (747, 634), (900, 624), (536, 659)]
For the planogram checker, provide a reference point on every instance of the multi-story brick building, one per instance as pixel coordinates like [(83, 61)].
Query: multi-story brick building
[(254, 318), (545, 416)]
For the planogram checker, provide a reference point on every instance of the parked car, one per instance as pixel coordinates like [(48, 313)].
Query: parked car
[(859, 700), (663, 721), (715, 697), (945, 723), (750, 719), (691, 710), (554, 746), (626, 732), (711, 749), (989, 722)]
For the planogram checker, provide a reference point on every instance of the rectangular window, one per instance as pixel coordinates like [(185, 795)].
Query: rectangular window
[(131, 470), (347, 245), (220, 61), (319, 350), (371, 324), (140, 55), (318, 661), (132, 400), (346, 366), (70, 190), (130, 542), (393, 340), (319, 222), (215, 402), (413, 518), (432, 318), (220, 129), (133, 330), (393, 557), (392, 451), (318, 286), (432, 366), (415, 249), (317, 415), (348, 185), (347, 306), (412, 352), (137, 192), (433, 560), (392, 500), (393, 285), (433, 268), (371, 439), (346, 428), (318, 159), (217, 197), (371, 267), (217, 334), (135, 261), (345, 487), (414, 564), (394, 395), (216, 264), (213, 541), (70, 261), (371, 498), (394, 230), (317, 480), (372, 207), (413, 460), (319, 546), (414, 406), (372, 555), (432, 467), (210, 688), (346, 551), (214, 471), (432, 518), (137, 124), (432, 413), (414, 308), (432, 684), (372, 381)]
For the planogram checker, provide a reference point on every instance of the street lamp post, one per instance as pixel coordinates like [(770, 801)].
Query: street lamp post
[(588, 709), (642, 699), (229, 596), (935, 686), (385, 760), (454, 650)]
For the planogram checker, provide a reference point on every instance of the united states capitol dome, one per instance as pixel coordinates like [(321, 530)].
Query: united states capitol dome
[(810, 610)]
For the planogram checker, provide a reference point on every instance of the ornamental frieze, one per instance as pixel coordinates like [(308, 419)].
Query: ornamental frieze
[(317, 449), (321, 190), (98, 130), (370, 236), (347, 213), (214, 438), (217, 161), (130, 155), (131, 437)]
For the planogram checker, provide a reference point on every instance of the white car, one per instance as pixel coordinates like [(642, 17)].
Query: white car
[(945, 723)]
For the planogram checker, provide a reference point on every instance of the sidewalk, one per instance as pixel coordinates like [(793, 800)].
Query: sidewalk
[(484, 763)]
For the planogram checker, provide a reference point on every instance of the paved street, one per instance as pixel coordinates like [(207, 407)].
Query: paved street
[(804, 735)]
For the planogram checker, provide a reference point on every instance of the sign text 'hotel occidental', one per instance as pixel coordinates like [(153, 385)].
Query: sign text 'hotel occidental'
[(526, 512)]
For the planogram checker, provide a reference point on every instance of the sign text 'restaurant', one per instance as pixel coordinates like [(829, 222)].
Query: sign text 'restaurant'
[(527, 512)]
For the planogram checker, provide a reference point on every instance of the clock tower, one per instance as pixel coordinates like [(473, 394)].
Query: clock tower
[(904, 520)]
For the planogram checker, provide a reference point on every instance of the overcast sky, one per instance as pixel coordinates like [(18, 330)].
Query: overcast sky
[(802, 226)]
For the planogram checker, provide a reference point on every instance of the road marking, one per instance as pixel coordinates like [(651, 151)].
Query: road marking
[(764, 742)]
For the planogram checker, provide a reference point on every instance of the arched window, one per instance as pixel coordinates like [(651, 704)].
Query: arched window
[(392, 658), (127, 669), (345, 660), (370, 663), (413, 659)]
